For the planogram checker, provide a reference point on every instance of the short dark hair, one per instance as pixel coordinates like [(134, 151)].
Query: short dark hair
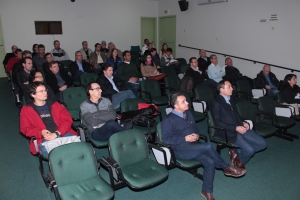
[(83, 42), (212, 55), (106, 66), (145, 40), (32, 75), (17, 50), (55, 41), (47, 54), (152, 49), (52, 63), (33, 46), (26, 52), (97, 44), (169, 49), (192, 58), (125, 52), (25, 58), (173, 98), (89, 87), (32, 87), (41, 46), (221, 84)]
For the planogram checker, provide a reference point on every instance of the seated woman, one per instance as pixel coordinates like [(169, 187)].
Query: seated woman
[(163, 50), (150, 70), (37, 76), (290, 91), (112, 87), (114, 60), (44, 119)]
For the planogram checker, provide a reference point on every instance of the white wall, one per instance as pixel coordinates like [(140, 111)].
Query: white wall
[(234, 28), (92, 20)]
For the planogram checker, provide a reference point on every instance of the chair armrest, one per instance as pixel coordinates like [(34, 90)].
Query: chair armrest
[(222, 129), (81, 132), (256, 93), (203, 137), (250, 123), (199, 106), (162, 154), (147, 93), (272, 115), (33, 139), (284, 110)]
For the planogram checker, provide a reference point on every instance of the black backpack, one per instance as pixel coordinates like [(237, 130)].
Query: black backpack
[(187, 84)]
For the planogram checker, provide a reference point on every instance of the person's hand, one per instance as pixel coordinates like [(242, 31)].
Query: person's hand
[(246, 125), (267, 87), (50, 136), (156, 72), (45, 132), (241, 129), (62, 88), (133, 79), (192, 137)]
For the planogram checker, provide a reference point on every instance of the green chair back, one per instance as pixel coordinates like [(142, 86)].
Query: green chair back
[(128, 147), (243, 85), (158, 132), (280, 98), (131, 104), (183, 68), (85, 79), (266, 104), (67, 64), (73, 97), (204, 93), (152, 86), (168, 70), (247, 110), (182, 61), (172, 81)]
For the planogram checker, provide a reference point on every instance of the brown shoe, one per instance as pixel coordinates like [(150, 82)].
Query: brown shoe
[(207, 196), (234, 171), (239, 164), (233, 156)]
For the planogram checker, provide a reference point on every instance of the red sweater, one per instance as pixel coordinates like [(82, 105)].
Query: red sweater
[(31, 123), (11, 63)]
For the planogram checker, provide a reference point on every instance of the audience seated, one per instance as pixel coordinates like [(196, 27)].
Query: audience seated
[(203, 62), (163, 50), (225, 115), (155, 57), (145, 47), (148, 67), (97, 58), (19, 66), (180, 131), (44, 119), (79, 67), (48, 57), (147, 51), (291, 91), (58, 79), (85, 51), (103, 47), (198, 76), (112, 87), (58, 53), (23, 76), (39, 59), (168, 60), (112, 46), (99, 114), (37, 76), (129, 73), (35, 50), (215, 71), (13, 60), (9, 55), (114, 60), (266, 79)]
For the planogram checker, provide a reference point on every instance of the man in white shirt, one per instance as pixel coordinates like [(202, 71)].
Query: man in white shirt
[(215, 71), (145, 47)]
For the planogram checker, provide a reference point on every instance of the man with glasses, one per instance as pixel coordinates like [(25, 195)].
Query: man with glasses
[(180, 131), (225, 115), (99, 114)]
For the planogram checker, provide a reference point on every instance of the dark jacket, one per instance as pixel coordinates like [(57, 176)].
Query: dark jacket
[(107, 87), (203, 64), (126, 71), (225, 116), (22, 77), (232, 74), (261, 80), (289, 94), (19, 67), (74, 68), (7, 57), (52, 81), (197, 77), (46, 67)]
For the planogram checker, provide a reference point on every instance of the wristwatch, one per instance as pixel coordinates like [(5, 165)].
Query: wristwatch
[(57, 134)]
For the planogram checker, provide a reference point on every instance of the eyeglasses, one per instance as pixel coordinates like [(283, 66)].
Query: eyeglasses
[(41, 91), (97, 88)]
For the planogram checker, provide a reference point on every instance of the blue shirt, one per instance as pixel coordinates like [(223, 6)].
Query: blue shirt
[(79, 65), (227, 99), (179, 114), (269, 81), (215, 72)]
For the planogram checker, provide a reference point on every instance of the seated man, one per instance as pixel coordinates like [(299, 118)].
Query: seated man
[(12, 61), (266, 79), (103, 47), (97, 58), (58, 79), (44, 119), (203, 61), (181, 132), (112, 46), (150, 46), (85, 51), (23, 76), (225, 115), (198, 77), (215, 71), (112, 87), (99, 114), (145, 47), (78, 67), (48, 57), (39, 59), (168, 60), (9, 55), (129, 73), (58, 53)]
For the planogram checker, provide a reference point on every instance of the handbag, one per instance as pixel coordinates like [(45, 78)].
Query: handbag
[(157, 77), (155, 108), (51, 144)]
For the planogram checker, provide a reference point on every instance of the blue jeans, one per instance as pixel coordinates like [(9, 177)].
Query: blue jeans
[(206, 155), (77, 76), (133, 87), (43, 149), (249, 143), (108, 129), (121, 96), (272, 92)]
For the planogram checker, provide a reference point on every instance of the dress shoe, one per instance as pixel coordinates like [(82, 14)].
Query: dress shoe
[(234, 171), (239, 164), (207, 196), (233, 156)]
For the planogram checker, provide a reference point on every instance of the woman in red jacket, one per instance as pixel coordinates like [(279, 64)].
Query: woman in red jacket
[(44, 119)]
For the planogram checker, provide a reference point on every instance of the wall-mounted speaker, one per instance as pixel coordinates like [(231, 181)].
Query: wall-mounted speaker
[(184, 5)]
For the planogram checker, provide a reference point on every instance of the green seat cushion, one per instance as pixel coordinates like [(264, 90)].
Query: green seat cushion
[(198, 116), (264, 130), (144, 173), (188, 163), (92, 188), (160, 100), (284, 121), (74, 113)]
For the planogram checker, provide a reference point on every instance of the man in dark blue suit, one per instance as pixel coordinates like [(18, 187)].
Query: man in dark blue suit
[(225, 115)]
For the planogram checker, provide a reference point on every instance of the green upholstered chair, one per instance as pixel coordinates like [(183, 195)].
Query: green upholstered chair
[(266, 107), (66, 64), (221, 143), (172, 82), (150, 91), (74, 173), (190, 166), (182, 61), (183, 68), (204, 93), (248, 111), (168, 70), (129, 155), (244, 90), (72, 98), (85, 79)]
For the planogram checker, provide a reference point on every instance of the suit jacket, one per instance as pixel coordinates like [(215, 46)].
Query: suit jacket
[(74, 67), (225, 116), (52, 81), (232, 74)]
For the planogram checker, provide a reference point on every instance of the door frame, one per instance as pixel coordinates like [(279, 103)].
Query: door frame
[(159, 31), (155, 30)]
